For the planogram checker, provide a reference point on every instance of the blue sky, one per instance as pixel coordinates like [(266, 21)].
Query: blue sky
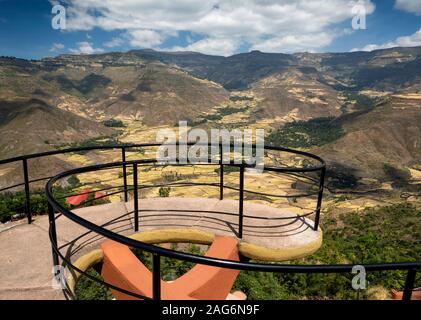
[(221, 27)]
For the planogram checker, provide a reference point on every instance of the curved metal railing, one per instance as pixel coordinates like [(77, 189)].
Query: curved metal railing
[(156, 251)]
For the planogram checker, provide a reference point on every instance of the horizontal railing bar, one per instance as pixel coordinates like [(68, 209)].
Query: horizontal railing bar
[(23, 183), (128, 146), (11, 187), (160, 251), (215, 261), (183, 184), (220, 213)]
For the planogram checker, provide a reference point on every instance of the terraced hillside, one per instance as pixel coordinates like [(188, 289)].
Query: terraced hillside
[(373, 97)]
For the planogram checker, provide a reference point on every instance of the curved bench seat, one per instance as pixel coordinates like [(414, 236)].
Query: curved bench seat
[(397, 295), (124, 270)]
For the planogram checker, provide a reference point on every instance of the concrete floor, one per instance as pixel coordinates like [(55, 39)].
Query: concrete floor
[(25, 251)]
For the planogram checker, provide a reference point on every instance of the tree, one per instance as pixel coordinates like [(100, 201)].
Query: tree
[(164, 192)]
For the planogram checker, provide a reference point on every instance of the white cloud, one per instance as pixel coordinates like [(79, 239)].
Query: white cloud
[(57, 47), (294, 43), (266, 24), (144, 38), (413, 6), (86, 48), (114, 42), (214, 46), (414, 40)]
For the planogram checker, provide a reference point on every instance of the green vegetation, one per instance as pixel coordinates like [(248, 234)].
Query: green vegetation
[(222, 112), (229, 110), (241, 98), (362, 102), (388, 234), (74, 181), (164, 192), (340, 177), (94, 142), (306, 134), (113, 123), (13, 203), (172, 176), (88, 289)]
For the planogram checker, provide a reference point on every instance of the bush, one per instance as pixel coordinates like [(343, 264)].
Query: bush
[(88, 289), (164, 192), (113, 123), (241, 98), (388, 234), (74, 181), (94, 142), (306, 134), (13, 203)]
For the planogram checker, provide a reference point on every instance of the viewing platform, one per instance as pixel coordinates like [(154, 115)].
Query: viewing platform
[(269, 234), (242, 225)]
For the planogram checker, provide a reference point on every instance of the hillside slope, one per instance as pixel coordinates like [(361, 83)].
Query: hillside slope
[(296, 95), (389, 134), (29, 126)]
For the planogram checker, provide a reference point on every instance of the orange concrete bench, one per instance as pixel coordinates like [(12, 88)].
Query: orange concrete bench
[(124, 270), (397, 295)]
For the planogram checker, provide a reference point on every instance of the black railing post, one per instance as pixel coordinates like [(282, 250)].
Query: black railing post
[(123, 158), (221, 174), (409, 284), (156, 276), (52, 224), (320, 198), (27, 194), (135, 198), (241, 204)]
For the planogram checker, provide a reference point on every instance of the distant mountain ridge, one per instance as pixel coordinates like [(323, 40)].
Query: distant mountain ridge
[(240, 70), (267, 89)]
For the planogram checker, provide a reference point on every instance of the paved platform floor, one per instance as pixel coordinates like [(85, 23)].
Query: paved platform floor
[(26, 256), (25, 251)]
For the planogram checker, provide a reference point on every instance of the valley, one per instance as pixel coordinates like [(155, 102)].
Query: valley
[(359, 111)]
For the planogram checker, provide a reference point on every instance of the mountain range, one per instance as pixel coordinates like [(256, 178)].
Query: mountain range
[(374, 97)]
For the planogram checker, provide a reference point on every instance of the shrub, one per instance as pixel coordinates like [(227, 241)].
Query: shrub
[(306, 134), (387, 234), (113, 123), (164, 192), (88, 289), (13, 203)]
